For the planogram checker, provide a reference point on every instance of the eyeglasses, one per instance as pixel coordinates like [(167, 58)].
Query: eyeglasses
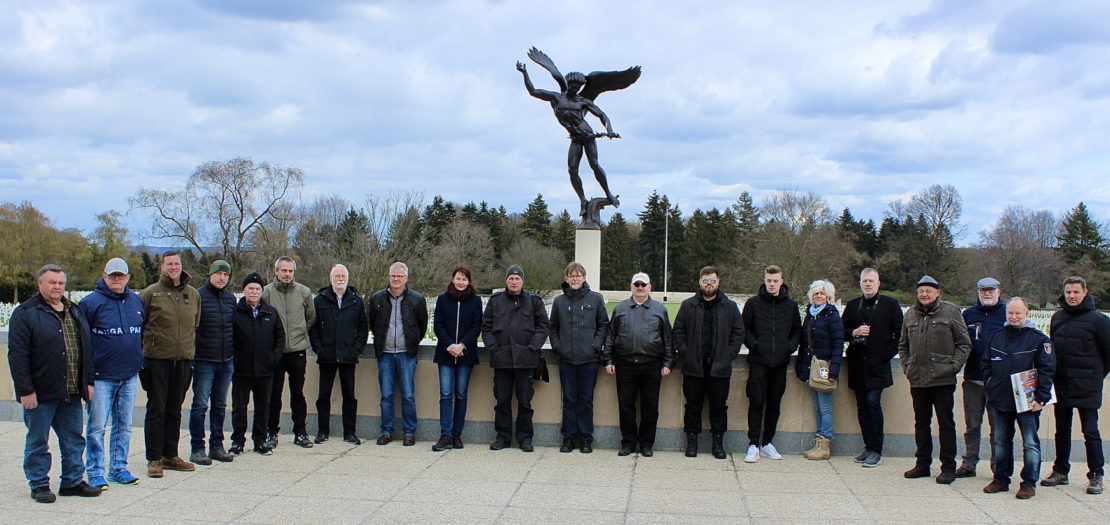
[(397, 276), (576, 276), (709, 280), (118, 275), (639, 285)]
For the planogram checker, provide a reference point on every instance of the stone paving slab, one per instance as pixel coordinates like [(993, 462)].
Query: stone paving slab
[(340, 483)]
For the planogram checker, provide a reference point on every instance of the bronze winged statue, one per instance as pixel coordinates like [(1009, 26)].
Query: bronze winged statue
[(574, 99)]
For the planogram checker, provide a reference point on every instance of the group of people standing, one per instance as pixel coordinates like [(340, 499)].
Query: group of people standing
[(171, 336)]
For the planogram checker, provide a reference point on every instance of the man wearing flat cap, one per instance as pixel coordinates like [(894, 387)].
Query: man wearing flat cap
[(933, 348), (983, 320), (514, 328)]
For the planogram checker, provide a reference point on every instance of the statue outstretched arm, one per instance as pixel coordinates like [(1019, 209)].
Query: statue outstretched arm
[(538, 93)]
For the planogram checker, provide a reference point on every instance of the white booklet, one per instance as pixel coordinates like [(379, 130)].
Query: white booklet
[(1025, 385)]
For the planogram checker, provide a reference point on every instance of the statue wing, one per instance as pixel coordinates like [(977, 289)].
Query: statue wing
[(542, 59), (599, 82)]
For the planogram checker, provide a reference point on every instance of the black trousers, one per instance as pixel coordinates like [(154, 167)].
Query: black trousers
[(293, 365), (697, 390), (869, 411), (638, 382), (165, 382), (242, 389), (765, 388), (942, 401), (1092, 441), (323, 402), (506, 382)]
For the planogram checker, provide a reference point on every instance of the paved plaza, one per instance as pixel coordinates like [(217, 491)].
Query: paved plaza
[(337, 483)]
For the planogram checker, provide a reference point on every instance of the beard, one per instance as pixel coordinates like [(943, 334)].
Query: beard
[(705, 293)]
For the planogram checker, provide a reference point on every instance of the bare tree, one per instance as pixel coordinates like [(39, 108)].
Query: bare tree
[(939, 205), (795, 209), (798, 235), (1018, 251), (221, 206)]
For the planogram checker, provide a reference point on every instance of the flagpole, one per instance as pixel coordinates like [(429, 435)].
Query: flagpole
[(666, 241)]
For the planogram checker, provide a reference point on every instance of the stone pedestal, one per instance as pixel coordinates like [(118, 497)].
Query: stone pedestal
[(587, 250)]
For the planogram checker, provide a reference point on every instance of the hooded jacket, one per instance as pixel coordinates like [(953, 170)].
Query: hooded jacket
[(172, 317), (822, 336), (1081, 337), (340, 331), (934, 344), (457, 322), (982, 323), (690, 337), (116, 323), (514, 328), (258, 340), (773, 327), (579, 323), (214, 334), (869, 363), (293, 302), (1012, 350), (34, 340)]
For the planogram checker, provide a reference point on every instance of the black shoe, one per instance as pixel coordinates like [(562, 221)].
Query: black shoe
[(964, 472), (443, 443), (719, 446), (321, 437), (236, 448), (862, 456), (456, 442), (81, 489), (264, 450), (272, 440), (568, 446), (352, 439), (221, 455), (918, 471), (526, 446), (646, 452), (624, 451), (946, 477), (200, 458), (43, 494), (587, 447), (498, 445), (691, 444), (302, 441)]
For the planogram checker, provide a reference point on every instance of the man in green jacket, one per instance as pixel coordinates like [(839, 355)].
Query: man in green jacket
[(293, 301), (172, 317), (933, 348)]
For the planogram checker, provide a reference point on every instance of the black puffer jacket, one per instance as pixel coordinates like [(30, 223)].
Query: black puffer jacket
[(215, 341), (258, 340), (689, 335), (773, 327), (514, 328), (579, 323), (36, 351), (1081, 338), (339, 333), (869, 363)]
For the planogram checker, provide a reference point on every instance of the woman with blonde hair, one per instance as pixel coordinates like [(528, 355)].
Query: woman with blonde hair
[(823, 338)]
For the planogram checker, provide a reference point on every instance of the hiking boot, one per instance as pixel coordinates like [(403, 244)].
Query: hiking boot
[(123, 477), (384, 439), (918, 471), (1054, 479), (587, 447), (409, 441), (1025, 492), (200, 458), (221, 455), (821, 449), (526, 446), (302, 440), (965, 472), (443, 443), (719, 446), (568, 446), (43, 494), (456, 441), (81, 489), (154, 468), (872, 460), (946, 477), (691, 444), (1094, 486), (176, 463), (995, 487)]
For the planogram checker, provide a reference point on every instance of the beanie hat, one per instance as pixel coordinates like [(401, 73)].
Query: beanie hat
[(219, 265), (254, 278)]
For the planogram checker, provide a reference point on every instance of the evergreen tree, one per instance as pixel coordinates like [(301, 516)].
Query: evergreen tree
[(1079, 237), (862, 235), (352, 236), (654, 236), (536, 222), (618, 258), (563, 234), (435, 218)]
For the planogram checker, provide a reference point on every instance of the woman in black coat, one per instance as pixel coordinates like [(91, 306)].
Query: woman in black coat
[(457, 323)]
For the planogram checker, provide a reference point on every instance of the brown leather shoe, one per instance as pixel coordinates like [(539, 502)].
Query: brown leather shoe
[(384, 439), (995, 487), (154, 469), (176, 463), (917, 471), (946, 477), (409, 441), (1025, 492)]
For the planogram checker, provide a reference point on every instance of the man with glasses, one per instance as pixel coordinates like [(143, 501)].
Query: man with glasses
[(398, 320), (708, 333), (578, 327), (640, 351), (983, 320)]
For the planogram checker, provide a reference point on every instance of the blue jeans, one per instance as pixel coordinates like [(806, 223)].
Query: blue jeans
[(578, 383), (65, 417), (117, 399), (211, 380), (454, 382), (1002, 446), (823, 410), (398, 369)]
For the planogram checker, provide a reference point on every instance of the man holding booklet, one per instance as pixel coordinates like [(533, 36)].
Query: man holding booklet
[(1016, 349)]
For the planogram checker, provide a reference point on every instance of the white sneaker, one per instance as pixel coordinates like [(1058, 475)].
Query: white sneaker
[(753, 454), (768, 451)]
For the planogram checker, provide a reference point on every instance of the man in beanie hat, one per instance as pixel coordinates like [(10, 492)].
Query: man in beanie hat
[(213, 364), (259, 341), (933, 348), (514, 328)]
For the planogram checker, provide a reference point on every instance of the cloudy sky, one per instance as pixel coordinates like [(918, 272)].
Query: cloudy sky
[(862, 102)]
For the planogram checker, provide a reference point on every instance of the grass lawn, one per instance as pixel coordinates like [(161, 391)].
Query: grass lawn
[(672, 308)]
